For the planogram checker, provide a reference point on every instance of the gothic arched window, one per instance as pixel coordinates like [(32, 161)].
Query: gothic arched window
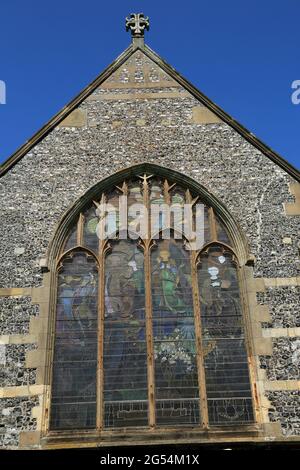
[(149, 327)]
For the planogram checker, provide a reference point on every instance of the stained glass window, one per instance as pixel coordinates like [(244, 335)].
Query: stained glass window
[(176, 381), (90, 239), (75, 351), (149, 328), (225, 357), (71, 240), (125, 351)]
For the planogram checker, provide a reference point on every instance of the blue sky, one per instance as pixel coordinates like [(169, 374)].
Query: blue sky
[(242, 55)]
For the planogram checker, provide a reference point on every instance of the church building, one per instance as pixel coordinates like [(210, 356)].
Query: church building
[(149, 289)]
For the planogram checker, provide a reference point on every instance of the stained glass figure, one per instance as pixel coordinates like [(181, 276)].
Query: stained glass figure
[(125, 354), (75, 351), (177, 394), (223, 336)]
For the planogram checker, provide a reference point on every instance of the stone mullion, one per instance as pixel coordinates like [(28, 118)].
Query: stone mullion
[(198, 327), (148, 310), (212, 225), (199, 343), (149, 336), (103, 247)]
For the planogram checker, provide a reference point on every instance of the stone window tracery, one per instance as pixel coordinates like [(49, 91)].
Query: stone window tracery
[(149, 332)]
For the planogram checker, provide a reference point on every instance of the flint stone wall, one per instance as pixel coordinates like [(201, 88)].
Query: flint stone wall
[(15, 313), (285, 410), (15, 417), (284, 305), (119, 127), (284, 364)]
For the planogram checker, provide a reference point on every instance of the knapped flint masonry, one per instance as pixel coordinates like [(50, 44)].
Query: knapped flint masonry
[(141, 341)]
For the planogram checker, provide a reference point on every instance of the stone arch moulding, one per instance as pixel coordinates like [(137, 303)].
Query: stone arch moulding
[(256, 344)]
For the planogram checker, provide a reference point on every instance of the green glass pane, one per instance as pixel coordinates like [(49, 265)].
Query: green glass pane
[(176, 376)]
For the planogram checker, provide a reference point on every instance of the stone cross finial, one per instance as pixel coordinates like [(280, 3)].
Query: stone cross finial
[(137, 23)]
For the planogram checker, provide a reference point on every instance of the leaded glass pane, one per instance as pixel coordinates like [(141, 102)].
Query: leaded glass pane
[(206, 225), (177, 213), (176, 380), (134, 200), (157, 201), (125, 353), (71, 241), (113, 213), (156, 195), (225, 357), (90, 238), (75, 351), (222, 233)]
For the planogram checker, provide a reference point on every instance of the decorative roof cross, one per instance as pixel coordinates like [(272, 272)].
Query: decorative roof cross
[(137, 23)]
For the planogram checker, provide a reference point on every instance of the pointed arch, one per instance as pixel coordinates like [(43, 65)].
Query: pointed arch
[(75, 344), (151, 336), (228, 385)]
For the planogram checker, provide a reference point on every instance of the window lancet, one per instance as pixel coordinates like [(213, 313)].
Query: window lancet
[(125, 350), (149, 328), (75, 352), (225, 358)]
